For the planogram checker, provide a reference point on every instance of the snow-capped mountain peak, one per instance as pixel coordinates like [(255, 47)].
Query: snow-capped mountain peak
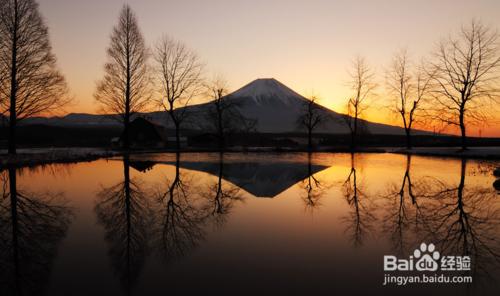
[(265, 89)]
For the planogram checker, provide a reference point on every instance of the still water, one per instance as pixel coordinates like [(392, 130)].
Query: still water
[(245, 224)]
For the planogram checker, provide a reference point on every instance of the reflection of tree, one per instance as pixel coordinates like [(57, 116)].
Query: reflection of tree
[(124, 211), (313, 189), (462, 219), (403, 214), (361, 218), (220, 197), (31, 227), (180, 220), (465, 221)]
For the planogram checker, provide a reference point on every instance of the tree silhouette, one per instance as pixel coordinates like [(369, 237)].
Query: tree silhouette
[(179, 74), (408, 91), (310, 118), (467, 73), (31, 227), (125, 213), (124, 90), (223, 115), (363, 86), (30, 79)]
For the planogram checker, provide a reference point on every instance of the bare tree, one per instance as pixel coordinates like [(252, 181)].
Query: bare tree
[(408, 89), (30, 79), (363, 86), (179, 72), (224, 116), (467, 77), (124, 90), (311, 117)]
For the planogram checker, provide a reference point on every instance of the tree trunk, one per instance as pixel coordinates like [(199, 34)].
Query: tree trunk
[(221, 131), (408, 138), (12, 132), (126, 136), (354, 133), (462, 130), (177, 137), (13, 87), (126, 142), (309, 140)]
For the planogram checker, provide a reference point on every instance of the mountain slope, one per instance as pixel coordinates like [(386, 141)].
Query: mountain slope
[(277, 107)]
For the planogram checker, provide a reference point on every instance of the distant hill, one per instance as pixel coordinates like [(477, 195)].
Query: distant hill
[(275, 107)]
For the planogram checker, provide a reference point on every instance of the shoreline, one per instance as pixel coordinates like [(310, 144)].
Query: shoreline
[(40, 156)]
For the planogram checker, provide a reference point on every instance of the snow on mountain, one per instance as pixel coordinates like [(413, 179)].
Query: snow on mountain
[(268, 90)]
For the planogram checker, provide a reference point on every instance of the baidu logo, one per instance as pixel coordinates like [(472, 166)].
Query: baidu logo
[(426, 258)]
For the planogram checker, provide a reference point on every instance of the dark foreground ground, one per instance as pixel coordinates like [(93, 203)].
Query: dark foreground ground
[(43, 136)]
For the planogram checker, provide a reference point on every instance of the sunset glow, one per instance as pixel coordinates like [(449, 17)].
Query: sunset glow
[(308, 46)]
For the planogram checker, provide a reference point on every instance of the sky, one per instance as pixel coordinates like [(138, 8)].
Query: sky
[(307, 45)]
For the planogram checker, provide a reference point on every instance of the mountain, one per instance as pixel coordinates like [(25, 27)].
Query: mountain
[(275, 107), (74, 119)]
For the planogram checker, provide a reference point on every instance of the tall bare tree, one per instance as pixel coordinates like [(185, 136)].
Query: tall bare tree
[(311, 117), (179, 72), (408, 89), (124, 90), (224, 115), (362, 84), (32, 82), (467, 74)]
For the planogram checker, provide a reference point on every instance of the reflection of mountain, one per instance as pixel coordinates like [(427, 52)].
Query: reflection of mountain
[(142, 166), (258, 178)]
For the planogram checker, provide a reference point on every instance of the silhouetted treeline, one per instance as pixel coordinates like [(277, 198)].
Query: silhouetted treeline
[(52, 136)]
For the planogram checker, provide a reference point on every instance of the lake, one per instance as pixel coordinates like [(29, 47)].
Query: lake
[(263, 223)]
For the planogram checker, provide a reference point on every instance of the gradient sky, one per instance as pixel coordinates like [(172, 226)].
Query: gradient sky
[(307, 45)]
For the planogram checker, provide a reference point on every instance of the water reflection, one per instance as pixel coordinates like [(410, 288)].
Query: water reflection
[(313, 190), (261, 179), (159, 211), (459, 217), (361, 217), (124, 210), (31, 227), (464, 221), (220, 197), (180, 219), (403, 214)]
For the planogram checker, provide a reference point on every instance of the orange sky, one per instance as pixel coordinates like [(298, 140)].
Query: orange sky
[(307, 45)]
